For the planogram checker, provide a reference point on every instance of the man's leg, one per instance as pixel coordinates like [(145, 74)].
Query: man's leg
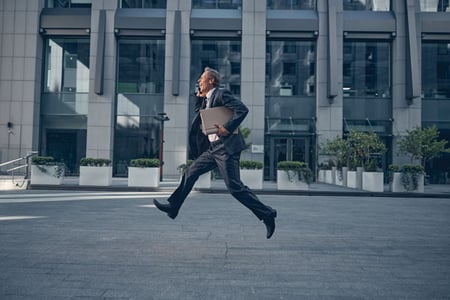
[(201, 165)]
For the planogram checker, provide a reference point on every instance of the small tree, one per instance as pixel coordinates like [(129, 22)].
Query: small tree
[(339, 148), (422, 144), (363, 146)]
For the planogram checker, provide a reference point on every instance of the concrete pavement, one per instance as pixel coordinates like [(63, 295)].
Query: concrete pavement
[(116, 245)]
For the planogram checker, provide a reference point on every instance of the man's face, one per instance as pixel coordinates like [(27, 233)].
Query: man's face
[(205, 83)]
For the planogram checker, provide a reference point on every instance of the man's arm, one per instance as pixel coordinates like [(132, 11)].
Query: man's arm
[(240, 112)]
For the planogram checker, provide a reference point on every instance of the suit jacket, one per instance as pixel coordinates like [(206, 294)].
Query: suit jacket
[(233, 142)]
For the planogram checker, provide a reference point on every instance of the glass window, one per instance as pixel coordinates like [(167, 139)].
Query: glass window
[(372, 5), (140, 93), (291, 4), (366, 69), (69, 3), (290, 68), (64, 100), (217, 4), (224, 56), (436, 70), (144, 3), (67, 66), (434, 5), (141, 66)]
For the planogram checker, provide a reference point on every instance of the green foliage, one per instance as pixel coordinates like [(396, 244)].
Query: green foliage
[(144, 163), (95, 162), (363, 146), (250, 164), (182, 168), (40, 161), (409, 175), (304, 172), (43, 160), (339, 149), (245, 133), (422, 144)]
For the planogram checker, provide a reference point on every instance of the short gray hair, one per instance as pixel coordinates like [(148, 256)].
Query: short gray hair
[(214, 75)]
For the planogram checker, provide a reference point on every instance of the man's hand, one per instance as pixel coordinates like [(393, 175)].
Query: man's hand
[(222, 130)]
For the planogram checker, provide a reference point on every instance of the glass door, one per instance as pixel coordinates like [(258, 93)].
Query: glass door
[(287, 148)]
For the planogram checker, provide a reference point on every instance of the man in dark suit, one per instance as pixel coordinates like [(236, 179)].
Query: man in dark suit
[(221, 150)]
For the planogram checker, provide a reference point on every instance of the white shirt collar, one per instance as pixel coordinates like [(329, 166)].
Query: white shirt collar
[(208, 94)]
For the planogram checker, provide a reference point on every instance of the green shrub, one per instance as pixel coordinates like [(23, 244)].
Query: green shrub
[(95, 162), (144, 163), (250, 165), (181, 168), (43, 160), (304, 172)]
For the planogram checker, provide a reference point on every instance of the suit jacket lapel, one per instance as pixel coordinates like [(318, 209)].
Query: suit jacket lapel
[(213, 98)]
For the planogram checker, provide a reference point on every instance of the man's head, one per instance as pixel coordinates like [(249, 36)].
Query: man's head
[(209, 79)]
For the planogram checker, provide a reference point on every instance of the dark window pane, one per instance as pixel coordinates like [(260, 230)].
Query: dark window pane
[(436, 70), (434, 5), (217, 4), (366, 69), (144, 3), (291, 4), (290, 68), (372, 5)]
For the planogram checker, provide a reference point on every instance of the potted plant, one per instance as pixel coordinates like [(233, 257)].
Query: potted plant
[(422, 145), (338, 148), (372, 177), (203, 182), (407, 178), (95, 171), (45, 170), (251, 173), (144, 172), (293, 175), (364, 148)]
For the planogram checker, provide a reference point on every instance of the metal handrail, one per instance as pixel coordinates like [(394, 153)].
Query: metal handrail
[(26, 165)]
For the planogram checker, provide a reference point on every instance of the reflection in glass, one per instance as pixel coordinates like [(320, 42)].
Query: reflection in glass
[(140, 93), (291, 4), (67, 67), (434, 5), (217, 4), (141, 66), (224, 56), (436, 70), (366, 68), (69, 3), (372, 5), (144, 3), (290, 68)]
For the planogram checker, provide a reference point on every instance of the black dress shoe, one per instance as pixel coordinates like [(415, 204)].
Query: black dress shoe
[(166, 208), (270, 224)]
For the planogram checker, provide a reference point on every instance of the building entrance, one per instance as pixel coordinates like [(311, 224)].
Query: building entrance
[(67, 146), (287, 148)]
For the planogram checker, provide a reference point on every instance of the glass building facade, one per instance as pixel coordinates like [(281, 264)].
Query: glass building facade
[(102, 72)]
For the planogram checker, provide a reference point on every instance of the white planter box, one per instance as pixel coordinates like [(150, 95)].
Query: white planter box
[(95, 176), (339, 177), (48, 176), (203, 182), (252, 178), (321, 176), (397, 186), (329, 176), (354, 179), (290, 182), (143, 177), (372, 181)]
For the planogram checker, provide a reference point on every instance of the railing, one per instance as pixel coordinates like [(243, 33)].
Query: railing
[(16, 165)]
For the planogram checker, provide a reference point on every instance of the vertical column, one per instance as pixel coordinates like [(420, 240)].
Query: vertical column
[(20, 73), (329, 113), (405, 116), (253, 70), (177, 105), (100, 123)]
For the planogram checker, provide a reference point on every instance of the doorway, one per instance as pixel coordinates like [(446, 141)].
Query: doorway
[(287, 148)]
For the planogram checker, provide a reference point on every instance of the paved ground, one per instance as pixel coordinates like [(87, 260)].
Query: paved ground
[(116, 245)]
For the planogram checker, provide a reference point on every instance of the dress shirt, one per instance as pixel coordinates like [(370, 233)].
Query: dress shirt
[(211, 137)]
